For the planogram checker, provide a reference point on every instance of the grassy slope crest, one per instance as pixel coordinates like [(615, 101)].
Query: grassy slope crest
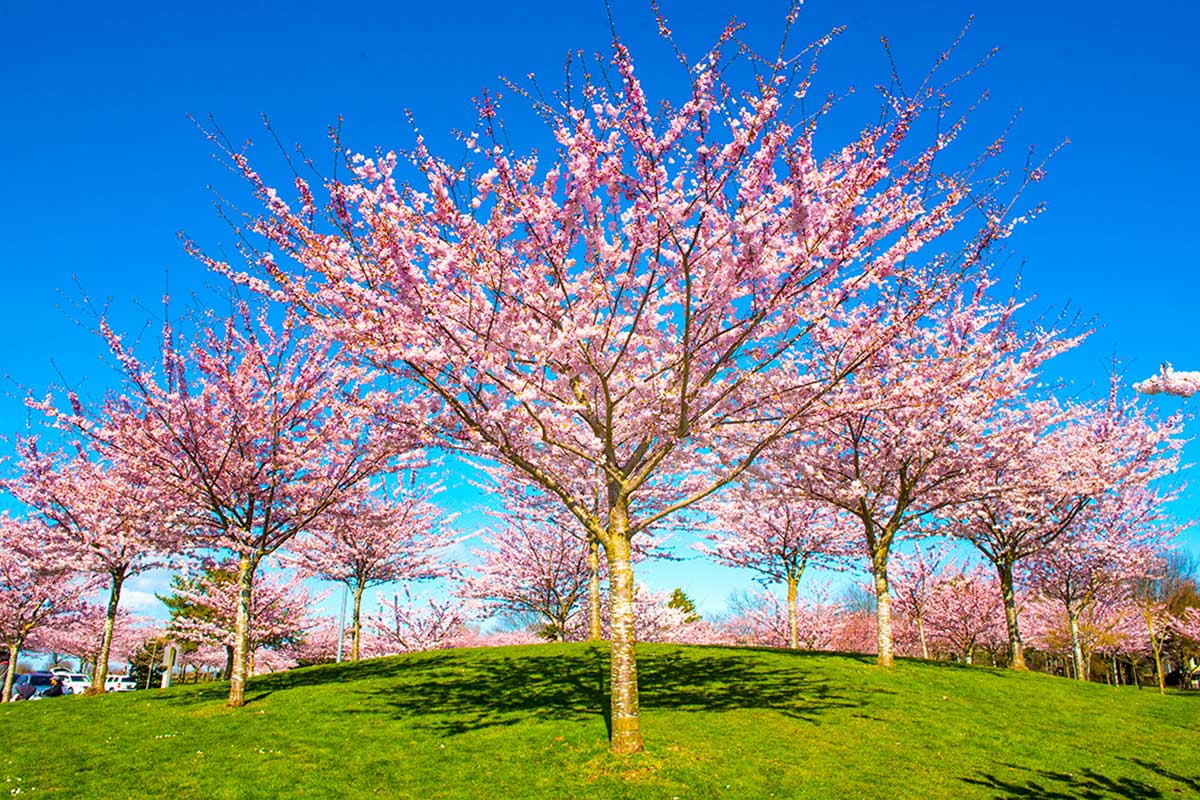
[(528, 722)]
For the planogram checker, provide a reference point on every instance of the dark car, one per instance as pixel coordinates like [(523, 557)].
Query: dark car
[(40, 681)]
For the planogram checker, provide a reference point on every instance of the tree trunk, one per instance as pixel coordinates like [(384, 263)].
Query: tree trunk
[(883, 607), (227, 673), (1076, 645), (595, 630), (241, 634), (1158, 670), (110, 621), (626, 723), (356, 623), (1016, 649), (10, 674), (921, 634), (793, 623)]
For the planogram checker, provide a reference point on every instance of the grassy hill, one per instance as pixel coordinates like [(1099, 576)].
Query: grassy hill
[(526, 722)]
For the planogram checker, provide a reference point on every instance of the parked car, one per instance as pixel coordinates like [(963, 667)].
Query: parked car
[(40, 681), (119, 683), (77, 682)]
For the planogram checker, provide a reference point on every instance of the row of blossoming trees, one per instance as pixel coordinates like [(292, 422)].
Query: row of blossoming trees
[(694, 308)]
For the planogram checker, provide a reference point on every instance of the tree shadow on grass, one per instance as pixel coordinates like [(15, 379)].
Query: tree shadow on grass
[(457, 691), (1086, 784), (261, 686), (455, 694), (1192, 783), (736, 680), (190, 694)]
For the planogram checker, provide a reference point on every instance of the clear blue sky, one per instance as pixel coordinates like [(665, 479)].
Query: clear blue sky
[(101, 167)]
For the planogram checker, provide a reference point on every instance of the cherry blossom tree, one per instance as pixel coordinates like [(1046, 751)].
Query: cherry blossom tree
[(1114, 627), (1044, 629), (408, 625), (532, 567), (757, 618), (964, 613), (657, 619), (1155, 595), (914, 579), (372, 539), (892, 449), (523, 503), (251, 433), (1157, 620), (624, 311), (1106, 545), (547, 556), (278, 614), (473, 637), (210, 658), (1188, 624), (855, 632), (35, 592), (538, 560), (1040, 464), (777, 533), (108, 519), (317, 645), (819, 618), (82, 636), (1111, 624)]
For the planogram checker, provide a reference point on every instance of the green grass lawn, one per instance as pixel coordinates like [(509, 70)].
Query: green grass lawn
[(527, 722)]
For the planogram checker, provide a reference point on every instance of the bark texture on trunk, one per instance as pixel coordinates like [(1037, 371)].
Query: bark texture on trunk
[(241, 634), (10, 673), (1076, 645), (356, 623), (623, 686), (883, 609), (1158, 670), (1016, 649), (921, 634), (101, 671), (793, 623), (595, 629)]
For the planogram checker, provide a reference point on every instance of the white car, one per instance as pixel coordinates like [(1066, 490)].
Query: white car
[(119, 683), (76, 682)]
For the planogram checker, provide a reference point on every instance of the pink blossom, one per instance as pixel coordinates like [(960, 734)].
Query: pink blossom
[(1168, 381)]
